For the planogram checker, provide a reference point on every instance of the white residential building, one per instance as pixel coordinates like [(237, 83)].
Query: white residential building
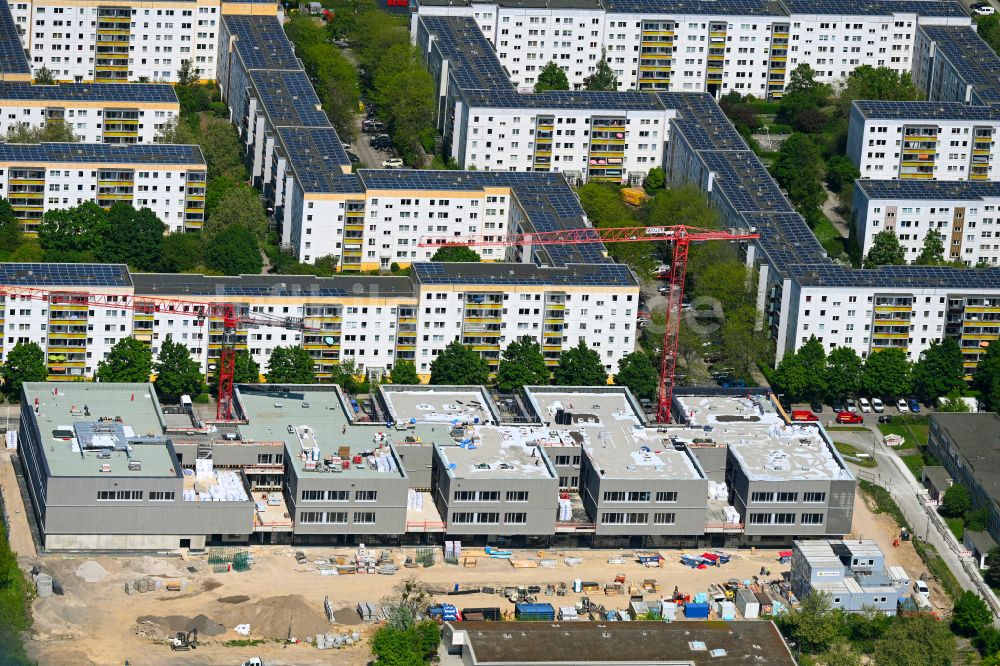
[(167, 179), (965, 214), (924, 140), (95, 112)]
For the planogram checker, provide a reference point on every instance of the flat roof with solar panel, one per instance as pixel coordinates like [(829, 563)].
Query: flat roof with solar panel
[(564, 99), (970, 57), (936, 8), (152, 93), (65, 275), (960, 190), (288, 98), (134, 153), (472, 62), (486, 274), (316, 155), (12, 57), (297, 286), (925, 110), (892, 278), (261, 42)]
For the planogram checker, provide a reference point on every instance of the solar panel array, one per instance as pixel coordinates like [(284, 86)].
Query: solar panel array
[(315, 155), (472, 62), (972, 59), (891, 278), (134, 153), (261, 42), (297, 286), (937, 8), (568, 99), (65, 275), (89, 92), (580, 275), (707, 7), (877, 110), (288, 98), (12, 57), (960, 190)]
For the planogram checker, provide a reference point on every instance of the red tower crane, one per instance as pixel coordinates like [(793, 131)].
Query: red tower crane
[(680, 235), (231, 314)]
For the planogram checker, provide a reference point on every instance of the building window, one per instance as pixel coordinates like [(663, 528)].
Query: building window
[(119, 495), (465, 496), (519, 518), (761, 497), (624, 518), (761, 518), (364, 517), (614, 496), (365, 496), (787, 497), (664, 518), (812, 519), (313, 495), (517, 495), (161, 496), (814, 497), (666, 496)]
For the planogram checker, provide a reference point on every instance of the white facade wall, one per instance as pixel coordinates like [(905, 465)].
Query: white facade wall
[(63, 38), (86, 122)]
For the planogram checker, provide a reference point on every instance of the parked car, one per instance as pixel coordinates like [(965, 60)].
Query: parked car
[(902, 406), (664, 289), (914, 406), (851, 405), (816, 406), (392, 163), (354, 159), (877, 405), (803, 415), (985, 10), (837, 405), (885, 418), (850, 417), (864, 405)]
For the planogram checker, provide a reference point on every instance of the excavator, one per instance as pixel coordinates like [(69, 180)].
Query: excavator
[(185, 641)]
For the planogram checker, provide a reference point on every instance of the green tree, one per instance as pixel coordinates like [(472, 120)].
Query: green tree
[(954, 403), (915, 640), (815, 626), (791, 378), (798, 168), (214, 190), (24, 363), (133, 237), (976, 519), (656, 179), (878, 83), (932, 250), (245, 369), (345, 375), (986, 377), (741, 111), (803, 95), (54, 131), (840, 654), (636, 371), (956, 501), (290, 365), (992, 574), (459, 365), (886, 374), (415, 646), (970, 615), (522, 364), (603, 78), (234, 251), (128, 361), (188, 74), (237, 206), (606, 210), (219, 142), (885, 250), (177, 373), (742, 345), (552, 77), (580, 366), (841, 173), (44, 76), (405, 97), (456, 253), (10, 228), (940, 370), (76, 229), (812, 355), (843, 372), (404, 372), (181, 251)]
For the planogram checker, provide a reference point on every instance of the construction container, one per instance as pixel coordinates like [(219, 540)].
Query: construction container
[(634, 196), (534, 612), (766, 605), (490, 613), (727, 610), (638, 610), (696, 611), (747, 604), (668, 611)]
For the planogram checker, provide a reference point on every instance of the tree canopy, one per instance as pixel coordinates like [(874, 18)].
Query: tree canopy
[(885, 250), (54, 131), (238, 205), (290, 365), (245, 369), (637, 372), (552, 77), (404, 372), (177, 373), (580, 366), (459, 365), (887, 374), (128, 361), (939, 371), (87, 232), (606, 210), (522, 364), (603, 78), (455, 253), (798, 168), (44, 76), (956, 501), (970, 615), (986, 378), (234, 250), (843, 372), (932, 250), (25, 363), (915, 640)]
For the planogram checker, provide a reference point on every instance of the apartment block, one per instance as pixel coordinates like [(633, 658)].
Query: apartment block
[(963, 213), (924, 140), (124, 41), (13, 62), (95, 112), (714, 47), (954, 64), (167, 179)]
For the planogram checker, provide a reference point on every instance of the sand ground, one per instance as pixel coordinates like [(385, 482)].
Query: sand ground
[(98, 623)]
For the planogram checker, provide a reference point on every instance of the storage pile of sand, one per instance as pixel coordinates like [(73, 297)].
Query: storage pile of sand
[(91, 572), (171, 624), (271, 617)]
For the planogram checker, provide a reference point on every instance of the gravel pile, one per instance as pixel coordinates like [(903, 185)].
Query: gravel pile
[(91, 572)]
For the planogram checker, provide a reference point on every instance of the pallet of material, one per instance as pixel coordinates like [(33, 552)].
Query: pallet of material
[(470, 562), (524, 564)]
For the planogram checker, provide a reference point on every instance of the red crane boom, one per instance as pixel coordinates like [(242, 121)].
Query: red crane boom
[(232, 317), (680, 235)]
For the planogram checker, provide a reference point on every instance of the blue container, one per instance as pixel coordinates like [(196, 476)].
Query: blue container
[(694, 611), (543, 612)]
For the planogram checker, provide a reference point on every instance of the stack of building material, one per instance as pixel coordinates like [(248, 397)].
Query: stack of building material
[(565, 510), (414, 500), (568, 613)]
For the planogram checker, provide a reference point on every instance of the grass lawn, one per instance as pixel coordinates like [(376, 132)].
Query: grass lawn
[(831, 240), (939, 568), (915, 462), (957, 527), (852, 452), (848, 428), (914, 430)]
